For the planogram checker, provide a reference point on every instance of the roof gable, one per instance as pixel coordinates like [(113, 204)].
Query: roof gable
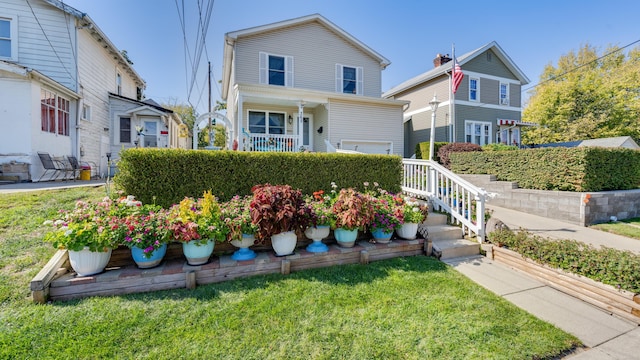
[(462, 60)]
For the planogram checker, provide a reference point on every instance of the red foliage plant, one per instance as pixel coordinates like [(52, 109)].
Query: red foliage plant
[(277, 208)]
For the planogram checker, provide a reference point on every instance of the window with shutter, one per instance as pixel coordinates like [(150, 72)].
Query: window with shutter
[(349, 79), (276, 69)]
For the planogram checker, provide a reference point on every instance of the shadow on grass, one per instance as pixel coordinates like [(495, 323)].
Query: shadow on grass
[(346, 275)]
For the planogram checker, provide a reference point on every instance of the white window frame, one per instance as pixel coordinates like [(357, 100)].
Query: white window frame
[(57, 109), (86, 112), (483, 137), (266, 123), (340, 78), (503, 98), (263, 65), (477, 89), (131, 129), (13, 37)]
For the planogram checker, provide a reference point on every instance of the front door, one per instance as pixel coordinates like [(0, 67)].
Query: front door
[(307, 132)]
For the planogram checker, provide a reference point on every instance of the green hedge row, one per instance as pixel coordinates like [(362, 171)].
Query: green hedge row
[(610, 266), (564, 169), (165, 176), (422, 149)]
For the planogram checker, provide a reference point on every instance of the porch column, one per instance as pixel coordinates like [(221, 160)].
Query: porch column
[(241, 131), (300, 122)]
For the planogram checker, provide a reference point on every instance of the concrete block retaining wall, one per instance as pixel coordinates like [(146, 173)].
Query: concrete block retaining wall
[(582, 208)]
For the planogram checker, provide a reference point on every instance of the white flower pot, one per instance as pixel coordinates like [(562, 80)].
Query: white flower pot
[(407, 231), (244, 253), (86, 262), (284, 243), (317, 234)]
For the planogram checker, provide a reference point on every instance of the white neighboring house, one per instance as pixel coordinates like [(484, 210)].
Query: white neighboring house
[(57, 73), (300, 83)]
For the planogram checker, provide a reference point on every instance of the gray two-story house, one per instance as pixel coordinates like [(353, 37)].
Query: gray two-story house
[(305, 83), (486, 108)]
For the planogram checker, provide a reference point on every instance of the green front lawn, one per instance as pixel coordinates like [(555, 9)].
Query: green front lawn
[(404, 308), (629, 228)]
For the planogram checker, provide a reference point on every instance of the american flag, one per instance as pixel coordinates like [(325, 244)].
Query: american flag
[(457, 76)]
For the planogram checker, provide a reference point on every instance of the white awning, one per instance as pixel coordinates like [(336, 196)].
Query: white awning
[(508, 122)]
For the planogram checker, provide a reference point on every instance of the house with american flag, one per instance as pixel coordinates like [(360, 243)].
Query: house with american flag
[(479, 95)]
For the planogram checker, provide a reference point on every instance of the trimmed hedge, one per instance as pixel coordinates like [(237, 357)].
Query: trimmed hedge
[(610, 266), (422, 149), (562, 169), (166, 176)]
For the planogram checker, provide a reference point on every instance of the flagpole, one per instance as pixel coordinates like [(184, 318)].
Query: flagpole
[(452, 99)]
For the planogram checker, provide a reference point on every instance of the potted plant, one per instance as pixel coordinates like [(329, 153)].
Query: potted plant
[(320, 218), (279, 213), (386, 218), (413, 214), (147, 232), (84, 233), (240, 229), (353, 211), (198, 225)]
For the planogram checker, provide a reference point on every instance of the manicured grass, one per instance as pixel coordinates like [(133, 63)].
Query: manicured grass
[(629, 228), (404, 308)]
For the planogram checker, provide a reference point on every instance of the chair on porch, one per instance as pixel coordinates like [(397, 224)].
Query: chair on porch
[(73, 166), (50, 165)]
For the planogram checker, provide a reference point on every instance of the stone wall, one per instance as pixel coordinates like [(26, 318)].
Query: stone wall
[(582, 208)]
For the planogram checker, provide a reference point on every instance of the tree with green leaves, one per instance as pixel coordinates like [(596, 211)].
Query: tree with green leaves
[(587, 96)]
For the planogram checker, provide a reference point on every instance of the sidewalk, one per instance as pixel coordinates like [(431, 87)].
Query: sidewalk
[(606, 336), (47, 185)]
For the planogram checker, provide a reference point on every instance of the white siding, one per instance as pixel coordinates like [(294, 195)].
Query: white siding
[(366, 122), (315, 50), (35, 50)]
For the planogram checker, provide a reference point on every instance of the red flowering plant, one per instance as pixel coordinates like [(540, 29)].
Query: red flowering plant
[(320, 209), (388, 213), (353, 210), (148, 229), (197, 220), (277, 208), (236, 216)]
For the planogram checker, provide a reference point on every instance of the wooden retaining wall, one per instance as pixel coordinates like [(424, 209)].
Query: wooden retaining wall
[(56, 281), (622, 303)]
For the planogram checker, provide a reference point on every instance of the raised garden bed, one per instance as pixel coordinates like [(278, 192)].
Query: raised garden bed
[(56, 281), (622, 303)]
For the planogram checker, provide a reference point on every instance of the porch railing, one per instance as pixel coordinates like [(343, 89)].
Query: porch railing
[(273, 142), (447, 192)]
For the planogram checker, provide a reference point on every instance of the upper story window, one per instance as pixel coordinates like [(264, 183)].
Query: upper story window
[(504, 94), (474, 89), (276, 69), (54, 113), (119, 84), (261, 122), (9, 38), (348, 79)]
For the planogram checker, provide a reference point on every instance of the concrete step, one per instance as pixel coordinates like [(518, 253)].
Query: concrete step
[(454, 248), (441, 232), (434, 219)]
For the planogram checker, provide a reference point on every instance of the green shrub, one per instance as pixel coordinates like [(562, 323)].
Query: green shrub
[(166, 176), (610, 266), (445, 152), (422, 149), (498, 147), (562, 169)]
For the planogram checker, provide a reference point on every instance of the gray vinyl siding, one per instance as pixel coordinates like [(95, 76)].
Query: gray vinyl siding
[(515, 96), (422, 94), (355, 121), (34, 49), (476, 113), (495, 67), (489, 91), (315, 50)]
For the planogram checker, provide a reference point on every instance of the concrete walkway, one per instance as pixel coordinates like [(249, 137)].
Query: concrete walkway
[(606, 336), (47, 185)]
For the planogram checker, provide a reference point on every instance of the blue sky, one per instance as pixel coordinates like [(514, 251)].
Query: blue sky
[(407, 32)]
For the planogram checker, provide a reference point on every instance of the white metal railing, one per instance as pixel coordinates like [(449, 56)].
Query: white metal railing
[(273, 142), (447, 192)]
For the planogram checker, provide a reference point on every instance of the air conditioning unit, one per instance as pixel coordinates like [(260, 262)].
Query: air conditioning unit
[(504, 101)]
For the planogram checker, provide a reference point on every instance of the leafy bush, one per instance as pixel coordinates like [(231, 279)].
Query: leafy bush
[(610, 266), (563, 169), (422, 149), (498, 147), (445, 152)]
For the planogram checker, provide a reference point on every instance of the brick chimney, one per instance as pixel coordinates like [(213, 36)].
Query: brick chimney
[(441, 59)]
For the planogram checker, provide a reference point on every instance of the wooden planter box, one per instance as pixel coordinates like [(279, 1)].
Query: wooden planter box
[(622, 303), (56, 281)]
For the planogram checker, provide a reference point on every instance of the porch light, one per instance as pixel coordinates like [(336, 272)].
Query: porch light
[(290, 120), (434, 106)]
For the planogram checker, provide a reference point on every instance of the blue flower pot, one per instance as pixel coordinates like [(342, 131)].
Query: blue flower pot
[(381, 236), (244, 253), (196, 253), (144, 262), (345, 238)]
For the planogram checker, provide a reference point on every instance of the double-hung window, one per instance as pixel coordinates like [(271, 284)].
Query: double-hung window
[(474, 89), (262, 122), (54, 113), (125, 130), (349, 79), (276, 69), (477, 132), (8, 38), (504, 94)]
